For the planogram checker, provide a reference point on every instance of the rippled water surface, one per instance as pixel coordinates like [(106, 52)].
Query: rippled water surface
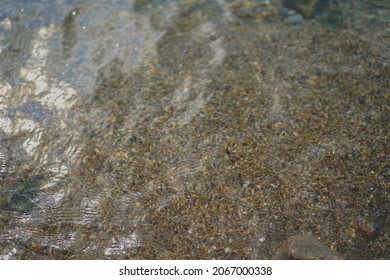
[(192, 129)]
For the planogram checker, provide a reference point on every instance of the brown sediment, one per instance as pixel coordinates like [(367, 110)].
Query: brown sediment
[(234, 136)]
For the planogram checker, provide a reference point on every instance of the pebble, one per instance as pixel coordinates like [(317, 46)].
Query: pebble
[(294, 19), (367, 229), (228, 250), (305, 247)]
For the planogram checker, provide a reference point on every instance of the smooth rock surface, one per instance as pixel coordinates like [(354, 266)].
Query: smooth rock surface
[(305, 247)]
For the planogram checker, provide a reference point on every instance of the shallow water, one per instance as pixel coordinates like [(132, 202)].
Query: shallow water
[(192, 129)]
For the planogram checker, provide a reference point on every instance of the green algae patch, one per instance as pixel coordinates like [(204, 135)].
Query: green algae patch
[(380, 3), (19, 197)]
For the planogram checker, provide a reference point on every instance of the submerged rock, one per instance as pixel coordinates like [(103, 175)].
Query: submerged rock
[(305, 247), (308, 8), (19, 197), (294, 19)]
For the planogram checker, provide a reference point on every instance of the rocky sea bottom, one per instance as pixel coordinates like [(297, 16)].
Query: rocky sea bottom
[(194, 130)]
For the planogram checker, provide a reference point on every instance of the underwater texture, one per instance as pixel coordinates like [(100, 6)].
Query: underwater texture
[(193, 129)]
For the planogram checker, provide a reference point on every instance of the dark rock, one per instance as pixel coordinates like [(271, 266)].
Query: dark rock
[(308, 8), (368, 229), (305, 247), (332, 19), (20, 197)]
